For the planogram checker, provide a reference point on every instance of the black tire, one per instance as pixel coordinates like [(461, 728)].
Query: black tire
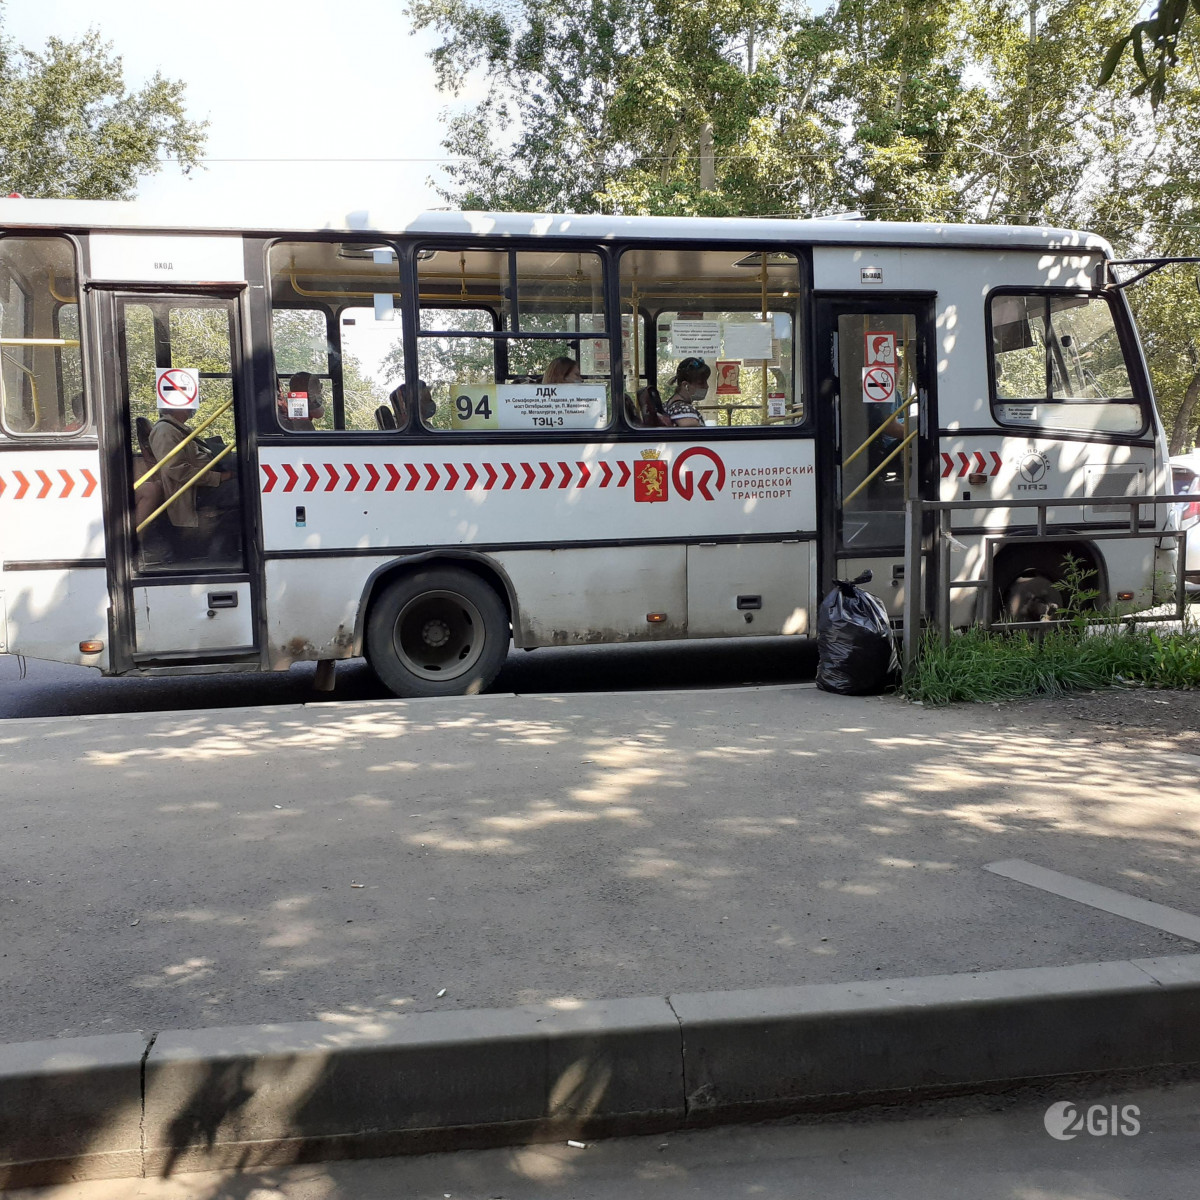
[(1029, 584), (438, 632)]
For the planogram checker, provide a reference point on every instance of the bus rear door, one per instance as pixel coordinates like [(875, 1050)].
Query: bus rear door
[(873, 362)]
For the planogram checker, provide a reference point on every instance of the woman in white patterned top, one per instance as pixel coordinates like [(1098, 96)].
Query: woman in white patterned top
[(691, 386)]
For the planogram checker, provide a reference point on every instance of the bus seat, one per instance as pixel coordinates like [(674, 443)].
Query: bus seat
[(385, 418), (142, 427)]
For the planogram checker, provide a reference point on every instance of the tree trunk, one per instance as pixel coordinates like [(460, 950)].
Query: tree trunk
[(708, 165), (1027, 161), (1185, 418)]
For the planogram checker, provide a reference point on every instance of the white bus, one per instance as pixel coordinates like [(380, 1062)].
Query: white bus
[(206, 464)]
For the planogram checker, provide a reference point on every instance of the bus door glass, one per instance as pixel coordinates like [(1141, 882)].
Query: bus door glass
[(873, 367), (178, 381)]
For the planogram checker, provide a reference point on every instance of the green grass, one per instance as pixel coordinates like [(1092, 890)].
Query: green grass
[(981, 666)]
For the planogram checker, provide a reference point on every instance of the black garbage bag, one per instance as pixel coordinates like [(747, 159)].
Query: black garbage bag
[(857, 654)]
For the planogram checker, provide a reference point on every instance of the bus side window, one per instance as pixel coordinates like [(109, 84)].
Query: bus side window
[(515, 339), (335, 317), (733, 312), (41, 368), (1058, 363)]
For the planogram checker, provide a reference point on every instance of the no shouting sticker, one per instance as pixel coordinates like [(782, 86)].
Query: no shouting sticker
[(177, 388)]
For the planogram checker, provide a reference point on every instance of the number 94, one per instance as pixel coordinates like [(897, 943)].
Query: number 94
[(468, 408)]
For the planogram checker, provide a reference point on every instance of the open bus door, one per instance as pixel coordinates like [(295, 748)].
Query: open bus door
[(874, 363), (182, 573)]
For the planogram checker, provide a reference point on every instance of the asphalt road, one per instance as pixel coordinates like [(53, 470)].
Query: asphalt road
[(49, 689), (967, 1150), (335, 861)]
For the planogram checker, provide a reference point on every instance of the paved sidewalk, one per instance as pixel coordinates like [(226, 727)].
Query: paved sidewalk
[(946, 1152), (179, 871)]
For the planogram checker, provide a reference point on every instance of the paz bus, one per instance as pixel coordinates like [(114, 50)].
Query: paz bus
[(401, 476)]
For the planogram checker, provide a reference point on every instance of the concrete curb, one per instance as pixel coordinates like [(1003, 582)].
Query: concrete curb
[(132, 1105)]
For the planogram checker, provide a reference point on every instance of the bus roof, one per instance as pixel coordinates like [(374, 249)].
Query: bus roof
[(278, 218)]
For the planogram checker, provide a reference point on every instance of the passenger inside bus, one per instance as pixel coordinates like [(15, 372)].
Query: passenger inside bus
[(648, 410), (691, 386), (303, 383), (562, 370), (207, 511), (403, 410)]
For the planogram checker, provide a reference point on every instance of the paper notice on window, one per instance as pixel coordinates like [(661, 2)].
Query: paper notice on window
[(748, 339), (548, 407), (776, 404), (696, 339), (297, 405), (1025, 413), (595, 354)]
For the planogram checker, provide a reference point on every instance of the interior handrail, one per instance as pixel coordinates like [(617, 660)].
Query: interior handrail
[(899, 449), (16, 341), (175, 450), (878, 431), (184, 488)]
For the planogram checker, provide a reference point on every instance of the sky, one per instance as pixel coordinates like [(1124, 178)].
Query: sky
[(304, 80)]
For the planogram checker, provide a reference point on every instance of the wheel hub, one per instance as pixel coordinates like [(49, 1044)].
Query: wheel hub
[(435, 633)]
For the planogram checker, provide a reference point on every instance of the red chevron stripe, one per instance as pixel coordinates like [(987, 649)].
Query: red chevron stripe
[(949, 465), (433, 477), (509, 476), (372, 477), (996, 463), (314, 477), (414, 477), (491, 477), (44, 491), (354, 477), (547, 475), (394, 479), (584, 474), (605, 473), (292, 477), (272, 478), (472, 477), (451, 476), (530, 474), (980, 465), (964, 464), (68, 484), (22, 485), (3, 485), (566, 475), (625, 473), (331, 471), (91, 483)]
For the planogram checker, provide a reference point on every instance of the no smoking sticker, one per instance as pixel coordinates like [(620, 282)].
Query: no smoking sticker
[(177, 388), (878, 385)]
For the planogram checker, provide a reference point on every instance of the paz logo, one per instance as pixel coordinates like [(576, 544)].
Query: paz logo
[(1058, 1120), (1033, 466)]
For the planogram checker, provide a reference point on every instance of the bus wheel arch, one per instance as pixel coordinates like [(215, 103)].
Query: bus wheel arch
[(1027, 579), (437, 626)]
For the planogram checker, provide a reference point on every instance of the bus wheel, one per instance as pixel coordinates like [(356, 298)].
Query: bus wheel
[(441, 632)]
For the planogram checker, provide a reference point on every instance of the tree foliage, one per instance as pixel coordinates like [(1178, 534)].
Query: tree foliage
[(1153, 44), (69, 127), (937, 108)]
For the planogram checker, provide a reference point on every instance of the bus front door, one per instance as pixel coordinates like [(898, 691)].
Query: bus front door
[(875, 395), (182, 588)]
